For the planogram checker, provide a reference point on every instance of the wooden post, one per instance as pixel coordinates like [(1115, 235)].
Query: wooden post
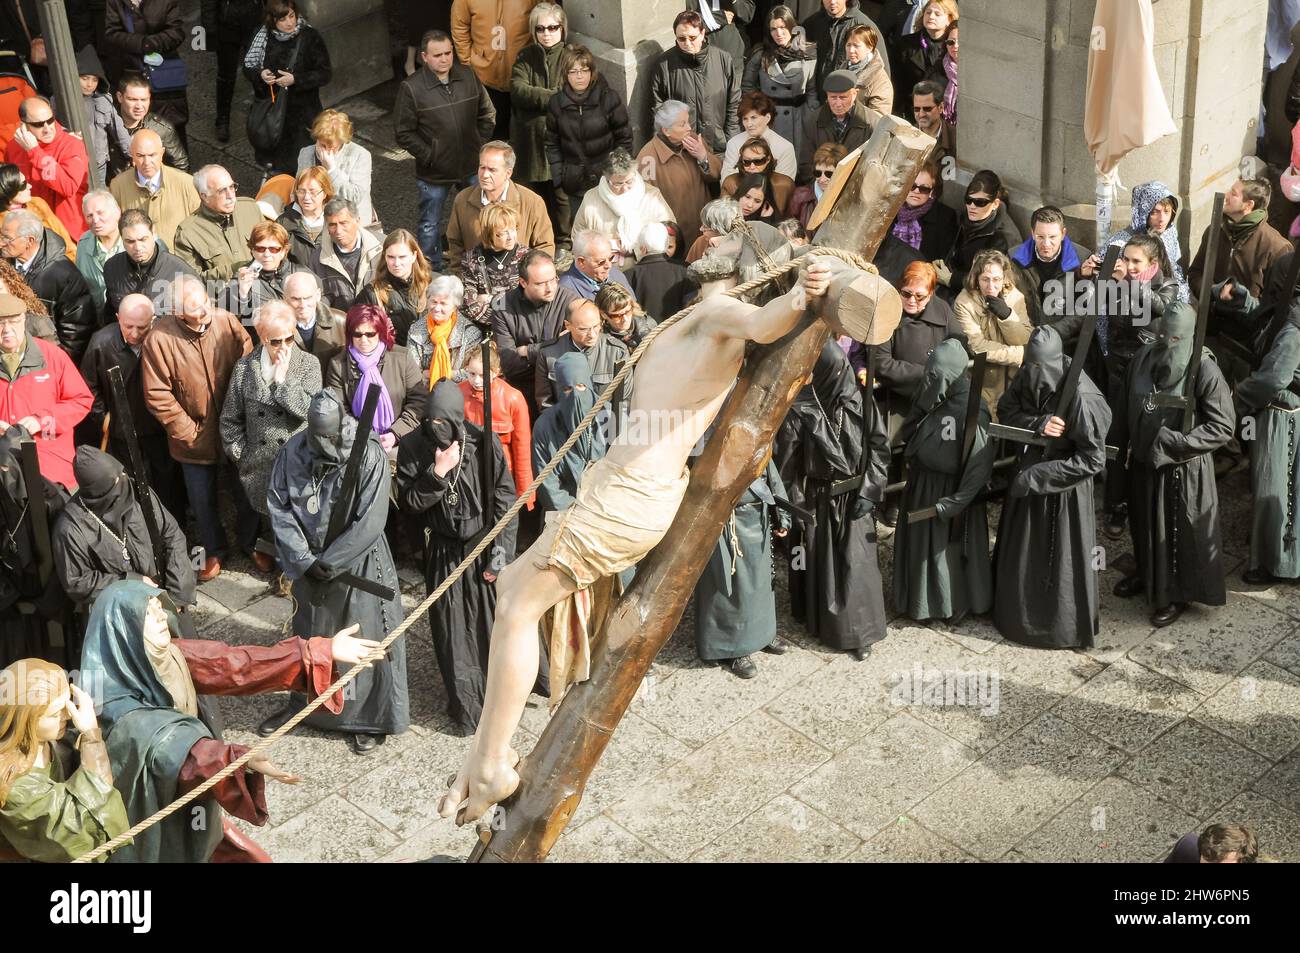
[(553, 776)]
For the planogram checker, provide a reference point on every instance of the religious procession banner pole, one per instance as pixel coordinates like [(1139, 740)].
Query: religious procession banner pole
[(873, 183)]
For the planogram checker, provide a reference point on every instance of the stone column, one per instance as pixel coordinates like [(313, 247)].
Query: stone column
[(1023, 80), (356, 32), (625, 38)]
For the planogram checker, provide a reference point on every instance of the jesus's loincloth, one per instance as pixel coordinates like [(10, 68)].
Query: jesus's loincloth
[(619, 514)]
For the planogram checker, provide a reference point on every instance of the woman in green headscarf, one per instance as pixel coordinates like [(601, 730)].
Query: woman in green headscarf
[(163, 733)]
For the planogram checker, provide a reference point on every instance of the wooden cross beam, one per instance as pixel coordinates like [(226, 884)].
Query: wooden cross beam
[(553, 776)]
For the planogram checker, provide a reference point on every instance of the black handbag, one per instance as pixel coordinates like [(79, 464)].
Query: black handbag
[(266, 117)]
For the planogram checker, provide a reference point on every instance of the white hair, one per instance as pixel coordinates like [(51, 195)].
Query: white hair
[(273, 311), (29, 226), (98, 194), (668, 112), (583, 239), (447, 286), (720, 215), (653, 240), (201, 177)]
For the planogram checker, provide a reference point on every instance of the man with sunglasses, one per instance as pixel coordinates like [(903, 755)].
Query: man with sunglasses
[(927, 107), (53, 160), (840, 119), (593, 265), (214, 240)]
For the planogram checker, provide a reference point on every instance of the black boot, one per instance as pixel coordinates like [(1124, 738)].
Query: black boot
[(223, 129), (362, 744), (271, 725)]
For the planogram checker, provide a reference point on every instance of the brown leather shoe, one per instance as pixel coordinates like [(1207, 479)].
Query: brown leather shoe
[(263, 562), (211, 569)]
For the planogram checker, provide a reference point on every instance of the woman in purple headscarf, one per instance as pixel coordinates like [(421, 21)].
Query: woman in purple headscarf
[(372, 356)]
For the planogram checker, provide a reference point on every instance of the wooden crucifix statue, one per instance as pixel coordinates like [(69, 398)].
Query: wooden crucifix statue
[(641, 491)]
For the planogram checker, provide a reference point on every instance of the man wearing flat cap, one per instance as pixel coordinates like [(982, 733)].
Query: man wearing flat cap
[(840, 119), (40, 391)]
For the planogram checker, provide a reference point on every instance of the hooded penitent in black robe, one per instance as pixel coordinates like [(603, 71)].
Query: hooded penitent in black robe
[(1272, 394), (456, 509), (835, 586), (305, 485), (1045, 583), (735, 604), (557, 422), (101, 536), (941, 565), (26, 606), (162, 729), (1173, 500)]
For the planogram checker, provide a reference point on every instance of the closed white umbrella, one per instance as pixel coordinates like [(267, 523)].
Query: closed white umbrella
[(1125, 107)]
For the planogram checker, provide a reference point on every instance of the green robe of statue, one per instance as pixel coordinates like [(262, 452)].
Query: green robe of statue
[(53, 820)]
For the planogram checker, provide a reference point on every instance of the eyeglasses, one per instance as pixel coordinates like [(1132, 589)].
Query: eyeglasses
[(365, 335), (232, 188), (267, 249), (277, 342), (39, 123), (950, 43), (579, 71), (978, 202), (753, 162), (598, 262), (309, 193), (914, 295), (923, 189), (825, 173), (548, 28), (924, 109)]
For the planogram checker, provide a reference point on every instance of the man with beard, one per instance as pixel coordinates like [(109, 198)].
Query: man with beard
[(102, 536), (1173, 499), (1272, 396), (1045, 586), (305, 488), (440, 480), (830, 436), (941, 565)]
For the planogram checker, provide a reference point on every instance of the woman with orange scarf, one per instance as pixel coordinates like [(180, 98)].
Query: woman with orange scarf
[(439, 341)]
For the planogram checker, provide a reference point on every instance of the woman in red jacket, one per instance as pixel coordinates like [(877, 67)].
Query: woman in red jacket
[(509, 416), (41, 391)]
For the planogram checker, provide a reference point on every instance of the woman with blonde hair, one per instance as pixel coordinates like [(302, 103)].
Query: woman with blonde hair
[(492, 266), (624, 318), (347, 164), (401, 283), (46, 816), (304, 220), (993, 316)]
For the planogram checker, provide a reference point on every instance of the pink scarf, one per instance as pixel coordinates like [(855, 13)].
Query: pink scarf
[(950, 94)]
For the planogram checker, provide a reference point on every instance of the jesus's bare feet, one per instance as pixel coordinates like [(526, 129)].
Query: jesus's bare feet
[(480, 784)]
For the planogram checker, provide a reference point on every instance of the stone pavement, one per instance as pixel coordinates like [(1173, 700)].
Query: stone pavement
[(1036, 756)]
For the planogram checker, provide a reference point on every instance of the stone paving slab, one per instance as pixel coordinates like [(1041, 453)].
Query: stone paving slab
[(333, 832), (714, 787), (1115, 822), (1260, 708), (869, 784), (784, 830), (1195, 768), (904, 841), (1008, 794), (1128, 705)]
